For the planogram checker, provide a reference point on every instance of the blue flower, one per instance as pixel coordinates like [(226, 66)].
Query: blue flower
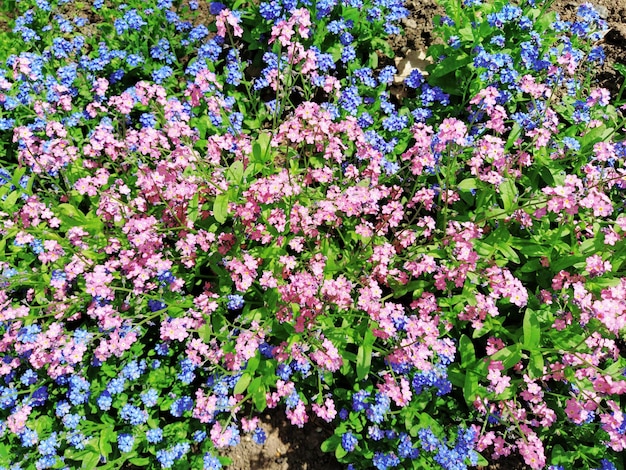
[(348, 54), (162, 74), (116, 385), (235, 302), (125, 442), (154, 436), (386, 74), (49, 446), (215, 8), (71, 421), (29, 437), (384, 461), (181, 405), (259, 436), (79, 390), (359, 400), (62, 408), (210, 462), (39, 396), (77, 439), (428, 440), (349, 441), (406, 449), (104, 401), (156, 305), (350, 100), (133, 414), (149, 397), (186, 374), (283, 371), (266, 350)]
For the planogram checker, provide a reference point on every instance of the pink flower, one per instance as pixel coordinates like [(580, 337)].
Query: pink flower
[(228, 17), (596, 266), (17, 420), (298, 416), (327, 411), (327, 357), (174, 329)]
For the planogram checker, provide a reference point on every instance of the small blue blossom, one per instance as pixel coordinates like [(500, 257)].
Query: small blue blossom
[(149, 397), (235, 302), (349, 441), (125, 442), (29, 437), (259, 436), (154, 436), (211, 462)]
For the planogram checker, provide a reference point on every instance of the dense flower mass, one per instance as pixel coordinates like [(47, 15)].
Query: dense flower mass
[(209, 210)]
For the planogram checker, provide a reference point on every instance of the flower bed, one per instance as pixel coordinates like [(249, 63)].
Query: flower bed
[(209, 210)]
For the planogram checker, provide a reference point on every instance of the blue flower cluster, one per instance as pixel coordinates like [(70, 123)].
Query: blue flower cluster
[(167, 458), (451, 456)]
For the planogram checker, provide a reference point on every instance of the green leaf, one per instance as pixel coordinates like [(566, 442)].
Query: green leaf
[(467, 184), (340, 453), (330, 444), (508, 193), (468, 353), (383, 46), (242, 383), (140, 461), (4, 454), (107, 435), (531, 330), (10, 200), (193, 210), (467, 33), (561, 457), (258, 396), (90, 460), (470, 387), (509, 356), (450, 64), (220, 208), (235, 172), (535, 365), (508, 252), (364, 355)]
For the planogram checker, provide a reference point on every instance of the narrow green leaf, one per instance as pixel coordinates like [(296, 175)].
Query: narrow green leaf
[(532, 330), (470, 388), (235, 172), (90, 461), (468, 353), (220, 208), (10, 200), (258, 396), (508, 193), (242, 383), (450, 64), (364, 355), (509, 356), (107, 435), (535, 365)]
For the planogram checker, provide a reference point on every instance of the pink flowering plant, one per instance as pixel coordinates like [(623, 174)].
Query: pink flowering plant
[(210, 210)]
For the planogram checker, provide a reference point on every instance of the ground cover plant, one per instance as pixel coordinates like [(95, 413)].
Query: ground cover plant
[(208, 210)]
